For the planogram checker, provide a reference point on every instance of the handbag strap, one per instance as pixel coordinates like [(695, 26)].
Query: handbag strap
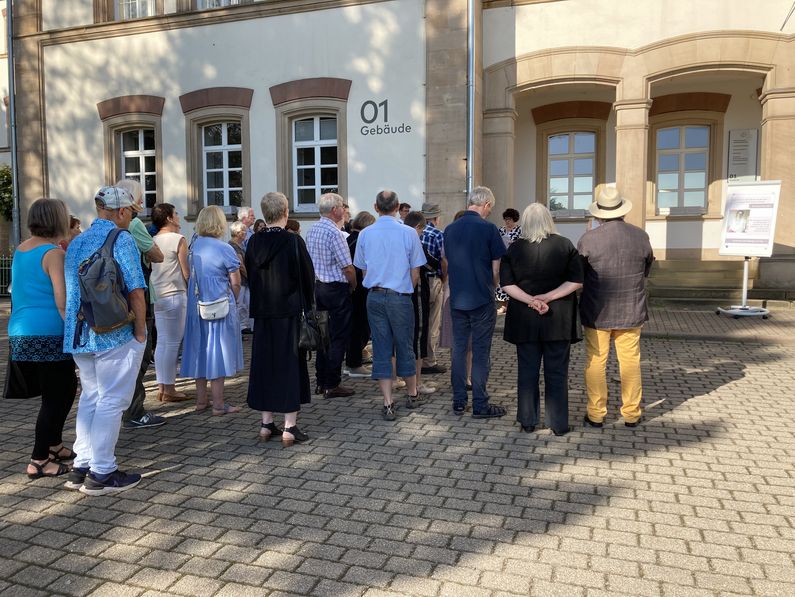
[(193, 271)]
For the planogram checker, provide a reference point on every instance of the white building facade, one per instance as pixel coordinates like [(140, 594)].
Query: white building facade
[(220, 101)]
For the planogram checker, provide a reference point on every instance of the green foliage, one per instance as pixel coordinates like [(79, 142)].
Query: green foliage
[(6, 192)]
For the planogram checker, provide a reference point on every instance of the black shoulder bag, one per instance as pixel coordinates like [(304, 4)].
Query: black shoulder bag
[(313, 332)]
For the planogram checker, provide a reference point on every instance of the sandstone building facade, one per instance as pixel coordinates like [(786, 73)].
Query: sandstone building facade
[(220, 101)]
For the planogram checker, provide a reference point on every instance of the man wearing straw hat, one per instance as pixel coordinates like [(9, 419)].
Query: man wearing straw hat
[(617, 257)]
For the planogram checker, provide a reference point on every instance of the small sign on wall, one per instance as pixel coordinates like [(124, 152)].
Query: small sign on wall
[(743, 155)]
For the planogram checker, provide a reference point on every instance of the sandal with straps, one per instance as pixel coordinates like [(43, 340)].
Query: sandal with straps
[(269, 430), (56, 456), (62, 470)]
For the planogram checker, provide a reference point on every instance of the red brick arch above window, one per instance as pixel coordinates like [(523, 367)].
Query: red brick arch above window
[(310, 88), (238, 97), (577, 109), (131, 104), (679, 102)]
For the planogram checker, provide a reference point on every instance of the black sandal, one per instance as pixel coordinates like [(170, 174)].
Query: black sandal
[(55, 455), (62, 470), (269, 430)]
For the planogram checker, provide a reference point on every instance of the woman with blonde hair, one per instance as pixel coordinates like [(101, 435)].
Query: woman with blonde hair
[(168, 280), (35, 335), (212, 348), (540, 273)]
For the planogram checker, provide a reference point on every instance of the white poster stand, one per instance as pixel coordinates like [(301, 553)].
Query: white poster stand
[(749, 226)]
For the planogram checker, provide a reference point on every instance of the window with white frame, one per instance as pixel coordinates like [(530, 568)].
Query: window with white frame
[(682, 162), (135, 9), (315, 160), (571, 170), (219, 3), (139, 161), (222, 165)]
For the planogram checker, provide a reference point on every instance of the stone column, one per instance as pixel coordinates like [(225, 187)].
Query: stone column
[(778, 139), (499, 130), (31, 152), (632, 142), (446, 104)]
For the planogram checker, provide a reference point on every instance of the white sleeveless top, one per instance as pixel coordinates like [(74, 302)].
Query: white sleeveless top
[(166, 277)]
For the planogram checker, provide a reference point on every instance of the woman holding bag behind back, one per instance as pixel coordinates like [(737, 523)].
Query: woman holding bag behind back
[(35, 335), (281, 281), (212, 348)]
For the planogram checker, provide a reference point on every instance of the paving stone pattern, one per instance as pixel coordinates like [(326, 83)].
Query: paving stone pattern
[(697, 501)]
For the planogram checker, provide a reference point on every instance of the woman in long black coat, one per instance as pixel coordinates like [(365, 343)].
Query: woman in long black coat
[(540, 273), (280, 273)]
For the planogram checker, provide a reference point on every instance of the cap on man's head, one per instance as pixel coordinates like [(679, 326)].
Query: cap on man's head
[(111, 198), (431, 210)]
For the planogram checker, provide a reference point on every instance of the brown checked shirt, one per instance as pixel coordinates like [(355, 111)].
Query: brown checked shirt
[(616, 258)]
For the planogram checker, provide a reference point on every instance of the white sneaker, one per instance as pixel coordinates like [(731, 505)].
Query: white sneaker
[(423, 389), (398, 384), (359, 372)]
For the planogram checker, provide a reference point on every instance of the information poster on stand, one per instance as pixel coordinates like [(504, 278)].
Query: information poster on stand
[(749, 219)]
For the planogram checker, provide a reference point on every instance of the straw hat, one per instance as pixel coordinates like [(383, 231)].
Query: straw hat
[(609, 204)]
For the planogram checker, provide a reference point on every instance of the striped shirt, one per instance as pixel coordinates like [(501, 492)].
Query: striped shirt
[(328, 250)]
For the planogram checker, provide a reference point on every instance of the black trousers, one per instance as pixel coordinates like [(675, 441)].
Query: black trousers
[(136, 409), (360, 328), (58, 384), (555, 356), (334, 297)]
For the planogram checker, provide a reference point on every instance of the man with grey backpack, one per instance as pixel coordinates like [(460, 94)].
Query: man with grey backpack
[(105, 330)]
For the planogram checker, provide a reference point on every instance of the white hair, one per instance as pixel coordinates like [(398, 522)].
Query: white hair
[(244, 212), (236, 228), (329, 201), (132, 186), (536, 223), (480, 196)]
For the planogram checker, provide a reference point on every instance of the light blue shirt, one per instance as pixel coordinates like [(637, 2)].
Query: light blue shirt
[(126, 255), (388, 251)]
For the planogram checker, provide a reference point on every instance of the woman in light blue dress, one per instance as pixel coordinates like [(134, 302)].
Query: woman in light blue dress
[(212, 349)]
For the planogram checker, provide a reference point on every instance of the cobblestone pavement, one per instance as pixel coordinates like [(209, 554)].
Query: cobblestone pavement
[(697, 501)]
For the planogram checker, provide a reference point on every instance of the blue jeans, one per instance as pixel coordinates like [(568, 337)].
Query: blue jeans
[(479, 325), (391, 318)]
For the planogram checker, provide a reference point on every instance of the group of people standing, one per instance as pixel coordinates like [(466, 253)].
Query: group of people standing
[(394, 282)]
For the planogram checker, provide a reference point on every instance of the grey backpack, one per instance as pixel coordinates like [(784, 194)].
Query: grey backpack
[(103, 294)]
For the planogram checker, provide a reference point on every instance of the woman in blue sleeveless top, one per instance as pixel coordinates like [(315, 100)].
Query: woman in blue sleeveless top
[(35, 333)]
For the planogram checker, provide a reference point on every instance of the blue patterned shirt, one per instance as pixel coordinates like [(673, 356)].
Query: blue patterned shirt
[(81, 248), (433, 242), (328, 250)]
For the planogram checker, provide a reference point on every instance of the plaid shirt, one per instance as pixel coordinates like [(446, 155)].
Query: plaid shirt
[(328, 250), (433, 242)]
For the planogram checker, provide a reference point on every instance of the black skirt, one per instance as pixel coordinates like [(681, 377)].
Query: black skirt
[(279, 378)]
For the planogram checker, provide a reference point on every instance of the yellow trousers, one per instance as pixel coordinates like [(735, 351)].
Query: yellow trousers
[(597, 344)]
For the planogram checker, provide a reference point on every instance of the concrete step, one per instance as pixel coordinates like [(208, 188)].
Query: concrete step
[(712, 294), (690, 273)]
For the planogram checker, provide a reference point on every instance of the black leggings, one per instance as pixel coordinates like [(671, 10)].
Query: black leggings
[(58, 384)]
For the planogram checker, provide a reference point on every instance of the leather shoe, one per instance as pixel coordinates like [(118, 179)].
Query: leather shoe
[(339, 392), (528, 428), (559, 432), (633, 423), (588, 421), (433, 369)]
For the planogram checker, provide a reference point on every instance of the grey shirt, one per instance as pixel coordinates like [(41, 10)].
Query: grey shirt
[(616, 258)]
